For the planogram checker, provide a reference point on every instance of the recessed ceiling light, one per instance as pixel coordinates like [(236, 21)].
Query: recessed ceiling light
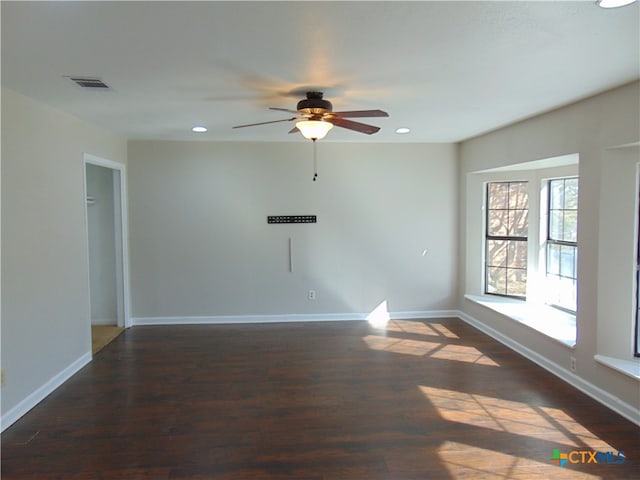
[(613, 3), (198, 129), (402, 130)]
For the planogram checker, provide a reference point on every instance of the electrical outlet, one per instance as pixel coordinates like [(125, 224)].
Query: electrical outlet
[(572, 363), (311, 294)]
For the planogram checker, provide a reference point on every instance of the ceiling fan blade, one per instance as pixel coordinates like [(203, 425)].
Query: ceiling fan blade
[(357, 126), (362, 113), (265, 123), (294, 130), (283, 110)]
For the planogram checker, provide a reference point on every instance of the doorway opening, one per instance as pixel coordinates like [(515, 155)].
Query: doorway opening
[(105, 191)]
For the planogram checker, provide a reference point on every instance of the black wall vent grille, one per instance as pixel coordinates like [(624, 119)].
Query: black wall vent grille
[(86, 82), (291, 219)]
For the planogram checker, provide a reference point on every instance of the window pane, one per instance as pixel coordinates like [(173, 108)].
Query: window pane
[(497, 280), (571, 194), (572, 300), (562, 292), (555, 224), (556, 189), (553, 259), (518, 223), (497, 253), (553, 289), (517, 254), (498, 223), (498, 194), (566, 293), (516, 282), (570, 231), (518, 195), (567, 261)]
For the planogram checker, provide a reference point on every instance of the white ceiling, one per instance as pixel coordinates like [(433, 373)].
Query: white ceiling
[(448, 70)]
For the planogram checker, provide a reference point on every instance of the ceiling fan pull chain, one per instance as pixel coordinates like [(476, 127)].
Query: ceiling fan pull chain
[(315, 160)]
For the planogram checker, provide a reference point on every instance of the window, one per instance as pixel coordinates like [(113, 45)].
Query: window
[(508, 211), (562, 243), (507, 225)]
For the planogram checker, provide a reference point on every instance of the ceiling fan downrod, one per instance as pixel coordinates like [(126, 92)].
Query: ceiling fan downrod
[(315, 160)]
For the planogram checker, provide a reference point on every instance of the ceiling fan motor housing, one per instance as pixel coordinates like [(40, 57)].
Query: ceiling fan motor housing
[(314, 104)]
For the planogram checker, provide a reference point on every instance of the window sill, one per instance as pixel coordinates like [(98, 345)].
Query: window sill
[(630, 368), (551, 322)]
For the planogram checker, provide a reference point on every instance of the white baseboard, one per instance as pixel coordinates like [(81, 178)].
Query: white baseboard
[(225, 319), (423, 314), (630, 412), (42, 392), (298, 317)]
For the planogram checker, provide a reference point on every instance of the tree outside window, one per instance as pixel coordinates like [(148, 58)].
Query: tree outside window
[(507, 226)]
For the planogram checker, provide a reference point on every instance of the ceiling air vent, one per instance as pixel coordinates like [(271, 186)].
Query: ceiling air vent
[(87, 82)]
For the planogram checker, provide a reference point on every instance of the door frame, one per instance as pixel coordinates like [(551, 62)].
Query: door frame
[(123, 312)]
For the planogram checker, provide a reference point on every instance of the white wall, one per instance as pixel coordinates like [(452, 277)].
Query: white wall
[(102, 245), (588, 128), (45, 296), (617, 249), (201, 246)]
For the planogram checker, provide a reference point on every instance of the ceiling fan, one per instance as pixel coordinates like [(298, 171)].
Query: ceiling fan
[(315, 117)]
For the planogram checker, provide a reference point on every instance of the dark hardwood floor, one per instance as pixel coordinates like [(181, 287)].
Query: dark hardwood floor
[(314, 401)]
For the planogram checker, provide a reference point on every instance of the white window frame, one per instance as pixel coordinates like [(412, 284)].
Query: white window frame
[(533, 312)]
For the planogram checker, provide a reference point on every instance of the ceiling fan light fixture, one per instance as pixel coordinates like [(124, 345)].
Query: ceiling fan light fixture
[(199, 129), (613, 3), (314, 129)]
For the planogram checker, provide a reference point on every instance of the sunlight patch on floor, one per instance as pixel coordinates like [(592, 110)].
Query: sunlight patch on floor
[(517, 418), (583, 436), (465, 461), (443, 331), (399, 345), (420, 348), (463, 353), (420, 327)]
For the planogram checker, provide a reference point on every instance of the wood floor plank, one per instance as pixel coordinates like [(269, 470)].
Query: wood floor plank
[(316, 401)]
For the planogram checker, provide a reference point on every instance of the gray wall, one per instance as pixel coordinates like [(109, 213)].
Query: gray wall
[(45, 293), (589, 128), (201, 246)]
